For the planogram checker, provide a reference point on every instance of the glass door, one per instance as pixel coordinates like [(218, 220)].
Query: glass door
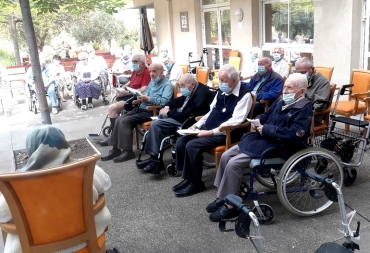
[(216, 35)]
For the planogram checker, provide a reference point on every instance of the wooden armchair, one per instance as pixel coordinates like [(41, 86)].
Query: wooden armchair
[(355, 104), (326, 71), (185, 68), (218, 151), (202, 74), (233, 60), (326, 113), (52, 208)]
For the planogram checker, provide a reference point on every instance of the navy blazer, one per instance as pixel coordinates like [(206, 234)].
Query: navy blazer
[(286, 129), (198, 102)]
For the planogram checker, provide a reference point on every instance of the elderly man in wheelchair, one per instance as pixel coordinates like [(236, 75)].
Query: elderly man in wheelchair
[(285, 125), (49, 84)]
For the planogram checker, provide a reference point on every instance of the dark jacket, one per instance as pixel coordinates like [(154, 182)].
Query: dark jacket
[(198, 102), (270, 89), (286, 129)]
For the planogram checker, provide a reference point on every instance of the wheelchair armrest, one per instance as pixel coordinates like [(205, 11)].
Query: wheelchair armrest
[(154, 108)]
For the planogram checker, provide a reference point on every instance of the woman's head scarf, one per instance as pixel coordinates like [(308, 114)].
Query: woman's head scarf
[(46, 147)]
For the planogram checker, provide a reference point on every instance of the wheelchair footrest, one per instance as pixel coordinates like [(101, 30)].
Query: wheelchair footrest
[(255, 163)]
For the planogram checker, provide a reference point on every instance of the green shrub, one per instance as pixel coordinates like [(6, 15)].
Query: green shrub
[(6, 58)]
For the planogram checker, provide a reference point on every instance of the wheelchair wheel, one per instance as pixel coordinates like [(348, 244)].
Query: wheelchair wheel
[(106, 102), (267, 211), (171, 170), (350, 176), (106, 131), (59, 103), (299, 194), (266, 180)]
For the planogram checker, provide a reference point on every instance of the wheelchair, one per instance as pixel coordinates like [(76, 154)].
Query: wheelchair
[(287, 178), (103, 81), (33, 102), (247, 225)]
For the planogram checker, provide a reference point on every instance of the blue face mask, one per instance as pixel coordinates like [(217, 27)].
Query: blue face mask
[(185, 92), (289, 98), (135, 66), (308, 77), (252, 58), (276, 57), (169, 66), (84, 62), (224, 87), (261, 70), (156, 79), (124, 61)]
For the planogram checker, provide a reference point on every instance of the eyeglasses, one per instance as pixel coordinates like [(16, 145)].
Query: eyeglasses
[(135, 62)]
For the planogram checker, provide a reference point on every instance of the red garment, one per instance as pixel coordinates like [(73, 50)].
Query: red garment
[(139, 80)]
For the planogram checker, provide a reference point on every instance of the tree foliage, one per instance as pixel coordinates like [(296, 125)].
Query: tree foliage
[(301, 17), (97, 27)]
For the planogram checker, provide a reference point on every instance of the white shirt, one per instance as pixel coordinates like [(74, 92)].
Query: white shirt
[(240, 112), (281, 67)]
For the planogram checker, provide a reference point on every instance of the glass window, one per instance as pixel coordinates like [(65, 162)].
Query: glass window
[(214, 1), (290, 21)]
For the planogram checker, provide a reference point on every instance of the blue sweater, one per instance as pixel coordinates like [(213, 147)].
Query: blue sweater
[(160, 93), (270, 89)]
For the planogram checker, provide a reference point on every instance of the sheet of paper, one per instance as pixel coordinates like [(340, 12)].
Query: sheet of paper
[(254, 122), (188, 131), (133, 91), (119, 89), (154, 117)]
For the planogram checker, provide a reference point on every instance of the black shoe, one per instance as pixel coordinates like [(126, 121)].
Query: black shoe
[(140, 164), (215, 205), (191, 189), (152, 166), (104, 142), (125, 156), (181, 185), (111, 154), (223, 213)]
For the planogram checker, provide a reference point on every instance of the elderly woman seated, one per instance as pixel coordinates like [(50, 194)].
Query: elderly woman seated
[(46, 147), (88, 85)]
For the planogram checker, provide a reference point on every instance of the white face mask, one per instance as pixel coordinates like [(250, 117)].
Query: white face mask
[(56, 62)]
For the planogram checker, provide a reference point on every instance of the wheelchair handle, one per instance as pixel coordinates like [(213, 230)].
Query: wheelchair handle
[(344, 87)]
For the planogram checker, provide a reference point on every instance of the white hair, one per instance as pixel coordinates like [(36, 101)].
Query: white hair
[(299, 80), (82, 54), (232, 72)]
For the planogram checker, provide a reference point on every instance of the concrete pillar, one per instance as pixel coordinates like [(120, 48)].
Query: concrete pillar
[(338, 37)]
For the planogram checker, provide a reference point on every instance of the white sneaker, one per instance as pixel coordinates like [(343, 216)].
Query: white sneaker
[(54, 110), (83, 107), (90, 106)]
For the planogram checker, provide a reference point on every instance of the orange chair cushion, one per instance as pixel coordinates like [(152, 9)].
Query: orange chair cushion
[(347, 107), (101, 242), (221, 148)]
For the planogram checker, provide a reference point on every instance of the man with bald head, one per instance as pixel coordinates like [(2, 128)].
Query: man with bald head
[(195, 98), (159, 92), (266, 83), (285, 126)]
